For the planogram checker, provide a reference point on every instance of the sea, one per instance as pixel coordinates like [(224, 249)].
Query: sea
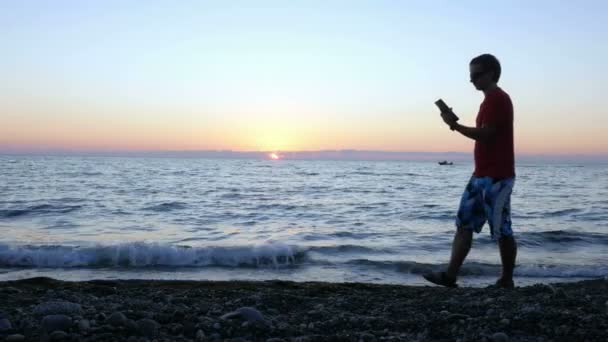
[(93, 217)]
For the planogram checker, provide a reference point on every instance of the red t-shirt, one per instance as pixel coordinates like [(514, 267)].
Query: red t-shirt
[(496, 158)]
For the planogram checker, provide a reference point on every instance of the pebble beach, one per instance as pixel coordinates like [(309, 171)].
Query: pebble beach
[(142, 310)]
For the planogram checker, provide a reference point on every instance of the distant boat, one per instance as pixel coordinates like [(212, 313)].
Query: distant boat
[(445, 162)]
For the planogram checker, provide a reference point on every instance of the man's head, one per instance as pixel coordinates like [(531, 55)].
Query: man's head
[(484, 71)]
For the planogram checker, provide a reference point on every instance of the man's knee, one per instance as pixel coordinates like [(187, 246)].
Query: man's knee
[(506, 240), (464, 231)]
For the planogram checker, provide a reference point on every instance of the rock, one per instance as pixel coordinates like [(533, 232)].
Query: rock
[(217, 326), (176, 329), (117, 319), (367, 337), (456, 316), (275, 339), (560, 294), (58, 335), (500, 337), (15, 338), (249, 314), (84, 325), (11, 290), (148, 327), (189, 329), (5, 324), (57, 308), (200, 336), (131, 326), (505, 321), (52, 323)]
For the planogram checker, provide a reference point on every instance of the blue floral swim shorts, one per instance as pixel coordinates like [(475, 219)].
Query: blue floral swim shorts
[(487, 199)]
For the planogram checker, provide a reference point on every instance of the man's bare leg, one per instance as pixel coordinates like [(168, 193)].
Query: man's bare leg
[(460, 249), (508, 253)]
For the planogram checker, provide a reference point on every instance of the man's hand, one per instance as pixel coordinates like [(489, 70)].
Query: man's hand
[(449, 118)]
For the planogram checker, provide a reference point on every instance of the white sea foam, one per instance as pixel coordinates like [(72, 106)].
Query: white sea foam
[(139, 254)]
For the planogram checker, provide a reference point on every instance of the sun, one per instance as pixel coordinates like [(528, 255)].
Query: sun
[(274, 156)]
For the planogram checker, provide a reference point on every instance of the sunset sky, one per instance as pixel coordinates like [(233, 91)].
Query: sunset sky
[(296, 75)]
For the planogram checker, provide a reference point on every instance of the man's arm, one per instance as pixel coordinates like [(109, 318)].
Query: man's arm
[(483, 134)]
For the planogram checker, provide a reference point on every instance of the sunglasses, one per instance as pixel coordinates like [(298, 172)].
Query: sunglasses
[(476, 75)]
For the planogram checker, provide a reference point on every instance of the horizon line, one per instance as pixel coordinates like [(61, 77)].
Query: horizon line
[(346, 154)]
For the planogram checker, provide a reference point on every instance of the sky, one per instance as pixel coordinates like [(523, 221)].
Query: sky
[(296, 75)]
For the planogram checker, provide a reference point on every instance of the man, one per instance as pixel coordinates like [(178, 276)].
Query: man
[(487, 195)]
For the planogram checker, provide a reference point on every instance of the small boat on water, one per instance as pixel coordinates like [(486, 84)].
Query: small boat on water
[(445, 162)]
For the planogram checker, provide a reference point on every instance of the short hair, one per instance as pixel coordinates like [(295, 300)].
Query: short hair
[(488, 63)]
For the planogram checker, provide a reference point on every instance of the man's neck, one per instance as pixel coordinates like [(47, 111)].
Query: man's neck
[(490, 88)]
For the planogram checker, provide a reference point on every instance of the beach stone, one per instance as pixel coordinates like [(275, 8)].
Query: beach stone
[(500, 337), (200, 336), (11, 290), (249, 314), (52, 323), (217, 326), (176, 329), (275, 339), (189, 329), (456, 316), (15, 338), (148, 327), (117, 319), (57, 308), (131, 326), (367, 337), (5, 324), (58, 335), (84, 325)]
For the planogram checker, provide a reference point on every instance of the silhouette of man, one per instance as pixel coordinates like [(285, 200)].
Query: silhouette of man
[(487, 196)]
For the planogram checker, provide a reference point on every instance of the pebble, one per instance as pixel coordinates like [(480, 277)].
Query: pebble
[(117, 319), (148, 327), (15, 338), (52, 323), (500, 337), (456, 316), (11, 289), (57, 308), (84, 325), (58, 335), (505, 321), (200, 336), (131, 326), (249, 314), (5, 324)]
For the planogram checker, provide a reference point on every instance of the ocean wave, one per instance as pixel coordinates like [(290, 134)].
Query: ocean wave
[(167, 206), (140, 254), (41, 209), (561, 236), (341, 249)]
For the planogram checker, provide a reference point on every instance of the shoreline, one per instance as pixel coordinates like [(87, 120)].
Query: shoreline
[(177, 310)]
